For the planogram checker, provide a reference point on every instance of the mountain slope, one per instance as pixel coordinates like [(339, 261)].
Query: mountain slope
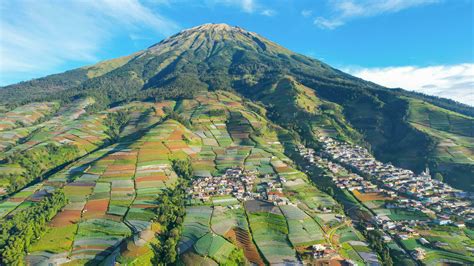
[(299, 93)]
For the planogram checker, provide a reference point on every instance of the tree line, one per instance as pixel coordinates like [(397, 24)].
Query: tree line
[(23, 228), (38, 161), (170, 215)]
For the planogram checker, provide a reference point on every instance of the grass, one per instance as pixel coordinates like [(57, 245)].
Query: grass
[(454, 137), (303, 230), (224, 219), (269, 231), (55, 239), (215, 247), (400, 215)]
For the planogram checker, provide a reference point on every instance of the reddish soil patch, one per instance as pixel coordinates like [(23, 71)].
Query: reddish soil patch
[(282, 169), (66, 217), (369, 196), (16, 199), (152, 178), (143, 206), (126, 189), (118, 167), (243, 240), (176, 145), (176, 135), (100, 205), (279, 194)]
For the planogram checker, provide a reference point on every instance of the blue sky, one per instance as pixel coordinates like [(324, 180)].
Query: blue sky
[(423, 45)]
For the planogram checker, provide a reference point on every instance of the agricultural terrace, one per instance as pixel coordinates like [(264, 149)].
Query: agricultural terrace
[(270, 232), (70, 128), (198, 238), (235, 136), (302, 229), (26, 115), (112, 189), (111, 198), (454, 137)]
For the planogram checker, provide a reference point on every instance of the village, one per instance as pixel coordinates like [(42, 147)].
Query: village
[(240, 184), (403, 189), (408, 190)]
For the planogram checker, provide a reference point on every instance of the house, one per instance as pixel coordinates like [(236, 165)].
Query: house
[(423, 241), (460, 224), (418, 254)]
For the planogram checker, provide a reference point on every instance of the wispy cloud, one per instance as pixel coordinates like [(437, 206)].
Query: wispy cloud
[(346, 10), (248, 6), (449, 81), (306, 13), (39, 36), (268, 12)]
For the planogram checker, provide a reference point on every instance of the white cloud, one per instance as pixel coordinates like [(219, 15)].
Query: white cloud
[(327, 23), (37, 37), (345, 10), (268, 12), (449, 81), (248, 6), (306, 13)]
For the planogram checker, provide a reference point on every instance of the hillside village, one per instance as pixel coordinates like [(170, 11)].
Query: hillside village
[(401, 188), (418, 192), (241, 184)]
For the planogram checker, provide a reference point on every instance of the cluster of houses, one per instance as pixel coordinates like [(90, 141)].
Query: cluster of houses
[(416, 192), (242, 185), (401, 188), (235, 182)]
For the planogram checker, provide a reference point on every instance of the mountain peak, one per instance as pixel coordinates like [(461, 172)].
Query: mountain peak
[(210, 36), (214, 26)]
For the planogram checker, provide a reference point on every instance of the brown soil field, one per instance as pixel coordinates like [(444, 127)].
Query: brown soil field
[(16, 199), (126, 189), (369, 196), (176, 135), (118, 167), (66, 217), (143, 206), (100, 205), (176, 145), (242, 239), (155, 177), (282, 169)]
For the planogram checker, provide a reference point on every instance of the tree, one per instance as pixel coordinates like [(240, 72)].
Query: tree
[(19, 231), (438, 176), (183, 168), (330, 191)]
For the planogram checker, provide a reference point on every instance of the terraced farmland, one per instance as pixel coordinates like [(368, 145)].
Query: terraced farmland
[(113, 188), (454, 137)]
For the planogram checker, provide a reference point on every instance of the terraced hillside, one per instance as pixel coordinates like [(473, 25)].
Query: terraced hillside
[(188, 153), (113, 191), (291, 86), (453, 137)]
